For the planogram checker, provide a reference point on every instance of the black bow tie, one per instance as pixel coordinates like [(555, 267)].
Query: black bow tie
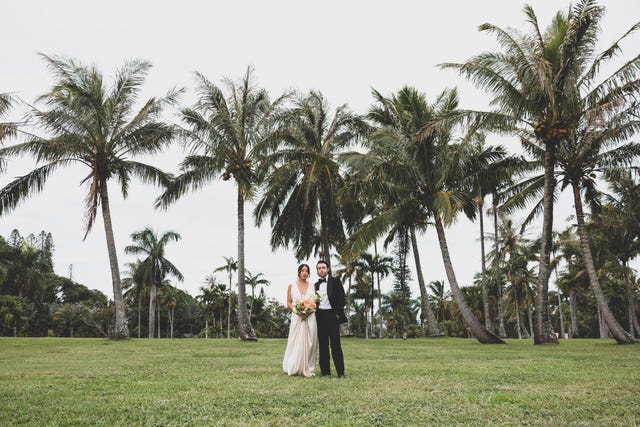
[(322, 280)]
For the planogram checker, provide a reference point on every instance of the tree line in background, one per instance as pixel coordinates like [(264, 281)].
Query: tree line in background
[(332, 182), (34, 301)]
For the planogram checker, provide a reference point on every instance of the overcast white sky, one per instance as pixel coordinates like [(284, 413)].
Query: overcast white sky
[(342, 48)]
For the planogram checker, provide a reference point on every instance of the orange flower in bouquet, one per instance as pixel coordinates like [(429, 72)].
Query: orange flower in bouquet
[(306, 306)]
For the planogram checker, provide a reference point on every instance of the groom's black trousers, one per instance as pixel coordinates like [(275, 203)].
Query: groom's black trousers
[(329, 334)]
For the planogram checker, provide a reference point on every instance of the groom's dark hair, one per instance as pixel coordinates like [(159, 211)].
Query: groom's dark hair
[(322, 262)]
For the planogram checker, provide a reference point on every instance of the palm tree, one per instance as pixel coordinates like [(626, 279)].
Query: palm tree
[(378, 265), (7, 129), (255, 281), (305, 180), (13, 310), (585, 154), (622, 227), (359, 322), (519, 293), (154, 267), (516, 254), (434, 169), (545, 84), (96, 126), (402, 276), (134, 286), (212, 297), (72, 315), (27, 268), (399, 314), (228, 134), (230, 266), (347, 269), (169, 297), (571, 280), (207, 299), (491, 169), (442, 300), (400, 119), (497, 271)]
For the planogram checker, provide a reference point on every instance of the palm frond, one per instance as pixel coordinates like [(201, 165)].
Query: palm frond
[(25, 186)]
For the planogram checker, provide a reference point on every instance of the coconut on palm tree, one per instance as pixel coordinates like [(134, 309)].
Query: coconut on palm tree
[(91, 124)]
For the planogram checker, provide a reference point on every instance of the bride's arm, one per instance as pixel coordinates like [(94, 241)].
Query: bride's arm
[(289, 299)]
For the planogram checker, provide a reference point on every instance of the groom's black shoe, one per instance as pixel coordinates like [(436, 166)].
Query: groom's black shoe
[(341, 376)]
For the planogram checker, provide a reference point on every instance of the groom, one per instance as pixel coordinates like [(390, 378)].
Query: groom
[(329, 315)]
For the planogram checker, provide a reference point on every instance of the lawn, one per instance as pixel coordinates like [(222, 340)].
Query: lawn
[(442, 381)]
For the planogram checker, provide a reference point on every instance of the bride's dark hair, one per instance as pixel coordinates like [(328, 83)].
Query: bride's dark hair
[(301, 266)]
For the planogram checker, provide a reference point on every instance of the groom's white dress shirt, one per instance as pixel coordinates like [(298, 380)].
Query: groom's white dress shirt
[(324, 299)]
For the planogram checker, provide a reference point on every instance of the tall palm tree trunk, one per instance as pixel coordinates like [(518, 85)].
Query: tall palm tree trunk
[(604, 331), (542, 332), (153, 293), (470, 319), (324, 234), (139, 312), (244, 322), (517, 310), (560, 315), (220, 322), (433, 330), (253, 297), (573, 309), (229, 310), (349, 306), (634, 327), (171, 317), (619, 334), (485, 291), (158, 311), (379, 306), (496, 267), (373, 298), (121, 328), (375, 251)]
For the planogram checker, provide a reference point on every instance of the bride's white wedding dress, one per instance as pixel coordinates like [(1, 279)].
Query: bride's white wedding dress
[(302, 344)]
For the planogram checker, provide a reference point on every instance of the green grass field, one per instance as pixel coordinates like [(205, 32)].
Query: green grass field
[(440, 381)]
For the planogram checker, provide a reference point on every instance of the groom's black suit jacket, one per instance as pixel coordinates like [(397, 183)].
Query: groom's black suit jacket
[(335, 293)]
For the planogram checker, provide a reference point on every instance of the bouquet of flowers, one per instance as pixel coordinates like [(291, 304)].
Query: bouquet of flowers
[(306, 306)]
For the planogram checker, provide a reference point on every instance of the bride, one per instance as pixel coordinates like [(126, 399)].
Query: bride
[(300, 355)]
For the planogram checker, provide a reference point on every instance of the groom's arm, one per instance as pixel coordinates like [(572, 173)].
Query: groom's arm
[(340, 301)]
